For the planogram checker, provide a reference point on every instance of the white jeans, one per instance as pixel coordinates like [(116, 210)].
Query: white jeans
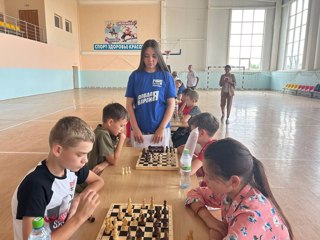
[(147, 140)]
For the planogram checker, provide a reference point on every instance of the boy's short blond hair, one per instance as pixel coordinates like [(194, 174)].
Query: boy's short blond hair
[(193, 95), (69, 131)]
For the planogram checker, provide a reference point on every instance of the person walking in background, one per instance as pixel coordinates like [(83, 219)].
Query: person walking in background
[(151, 94), (227, 84), (192, 78)]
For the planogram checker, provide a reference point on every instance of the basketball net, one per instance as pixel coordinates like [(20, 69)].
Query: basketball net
[(167, 52)]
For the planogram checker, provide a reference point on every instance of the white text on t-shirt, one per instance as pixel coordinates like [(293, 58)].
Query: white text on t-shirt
[(148, 97)]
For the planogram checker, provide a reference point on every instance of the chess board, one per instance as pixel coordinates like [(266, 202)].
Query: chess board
[(147, 229), (158, 158)]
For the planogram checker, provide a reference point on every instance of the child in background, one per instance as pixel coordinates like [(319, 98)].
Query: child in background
[(109, 138), (180, 136), (191, 100), (183, 109), (175, 75), (48, 190), (207, 125), (180, 87), (237, 184)]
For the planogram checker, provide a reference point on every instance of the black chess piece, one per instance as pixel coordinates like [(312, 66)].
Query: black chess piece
[(141, 221), (158, 214), (150, 218), (129, 237), (165, 222), (165, 210), (157, 223), (156, 232), (139, 234), (166, 235)]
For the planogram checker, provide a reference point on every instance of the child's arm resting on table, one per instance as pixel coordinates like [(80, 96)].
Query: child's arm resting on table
[(112, 159)]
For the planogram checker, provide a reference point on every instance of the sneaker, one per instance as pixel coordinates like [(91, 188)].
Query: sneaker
[(227, 121)]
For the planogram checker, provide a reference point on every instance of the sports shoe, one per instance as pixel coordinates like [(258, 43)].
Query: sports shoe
[(227, 121)]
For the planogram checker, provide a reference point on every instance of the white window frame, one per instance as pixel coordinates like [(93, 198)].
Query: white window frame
[(250, 35), (59, 18), (67, 22), (292, 60)]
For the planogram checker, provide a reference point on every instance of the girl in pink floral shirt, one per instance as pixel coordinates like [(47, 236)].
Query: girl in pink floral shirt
[(238, 185)]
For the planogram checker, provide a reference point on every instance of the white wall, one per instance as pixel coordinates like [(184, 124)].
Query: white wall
[(202, 27), (186, 22), (60, 37)]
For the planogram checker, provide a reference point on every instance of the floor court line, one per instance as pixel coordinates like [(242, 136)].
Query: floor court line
[(34, 119), (23, 152)]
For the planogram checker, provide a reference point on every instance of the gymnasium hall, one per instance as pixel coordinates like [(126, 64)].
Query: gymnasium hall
[(71, 58)]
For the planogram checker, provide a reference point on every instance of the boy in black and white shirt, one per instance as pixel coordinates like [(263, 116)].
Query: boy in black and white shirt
[(48, 190)]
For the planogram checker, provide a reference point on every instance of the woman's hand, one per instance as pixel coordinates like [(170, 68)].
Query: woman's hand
[(158, 135), (137, 134), (218, 227)]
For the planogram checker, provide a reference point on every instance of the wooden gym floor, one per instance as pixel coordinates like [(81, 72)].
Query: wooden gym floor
[(281, 130)]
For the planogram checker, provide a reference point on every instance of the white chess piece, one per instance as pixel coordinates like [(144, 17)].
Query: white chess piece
[(129, 169), (122, 171)]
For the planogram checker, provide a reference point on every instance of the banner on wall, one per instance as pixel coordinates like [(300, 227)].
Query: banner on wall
[(121, 32)]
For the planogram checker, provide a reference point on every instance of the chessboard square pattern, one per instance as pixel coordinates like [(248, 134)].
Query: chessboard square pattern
[(147, 229), (158, 161)]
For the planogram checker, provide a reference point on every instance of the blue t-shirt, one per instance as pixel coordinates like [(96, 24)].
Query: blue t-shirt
[(150, 92), (181, 88)]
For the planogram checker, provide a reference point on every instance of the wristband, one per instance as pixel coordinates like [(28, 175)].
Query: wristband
[(199, 209)]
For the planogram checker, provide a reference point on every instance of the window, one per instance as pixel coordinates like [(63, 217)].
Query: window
[(296, 34), (246, 38), (68, 26), (57, 21)]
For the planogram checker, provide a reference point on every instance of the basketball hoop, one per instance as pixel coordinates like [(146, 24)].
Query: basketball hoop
[(167, 52)]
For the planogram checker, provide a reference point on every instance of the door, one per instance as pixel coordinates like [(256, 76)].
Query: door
[(75, 71), (31, 28)]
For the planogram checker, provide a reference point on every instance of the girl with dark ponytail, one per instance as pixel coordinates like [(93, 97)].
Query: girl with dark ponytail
[(237, 183)]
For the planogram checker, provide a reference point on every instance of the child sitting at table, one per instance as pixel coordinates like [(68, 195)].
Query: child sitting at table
[(181, 135), (109, 138), (207, 125), (237, 184), (48, 190), (183, 109)]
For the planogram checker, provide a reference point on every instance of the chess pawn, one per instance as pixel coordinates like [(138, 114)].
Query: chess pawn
[(143, 203), (151, 203), (166, 235), (129, 207), (129, 169), (139, 234), (134, 221), (129, 237), (122, 171), (124, 226), (109, 226), (120, 213), (115, 234)]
